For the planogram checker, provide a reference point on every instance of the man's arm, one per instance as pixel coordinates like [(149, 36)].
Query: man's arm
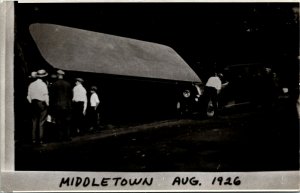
[(46, 95), (84, 103), (97, 101), (29, 94)]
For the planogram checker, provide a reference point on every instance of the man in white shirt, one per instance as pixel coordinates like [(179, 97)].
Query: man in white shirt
[(38, 97), (214, 82), (211, 90), (79, 106)]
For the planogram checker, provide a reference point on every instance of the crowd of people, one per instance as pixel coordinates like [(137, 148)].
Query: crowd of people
[(66, 107), (73, 111)]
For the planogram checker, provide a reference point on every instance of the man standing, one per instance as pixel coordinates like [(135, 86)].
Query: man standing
[(211, 90), (61, 104), (79, 105), (93, 113), (39, 99)]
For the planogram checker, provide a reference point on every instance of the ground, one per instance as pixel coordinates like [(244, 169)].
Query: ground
[(238, 140)]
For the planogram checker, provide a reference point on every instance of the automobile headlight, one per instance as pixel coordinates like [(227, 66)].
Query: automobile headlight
[(186, 93)]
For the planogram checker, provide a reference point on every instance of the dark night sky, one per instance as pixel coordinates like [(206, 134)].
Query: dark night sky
[(202, 33)]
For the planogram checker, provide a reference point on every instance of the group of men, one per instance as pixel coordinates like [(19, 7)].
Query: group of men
[(67, 107), (62, 104)]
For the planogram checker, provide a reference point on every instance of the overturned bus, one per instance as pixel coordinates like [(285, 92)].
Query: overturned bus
[(136, 80)]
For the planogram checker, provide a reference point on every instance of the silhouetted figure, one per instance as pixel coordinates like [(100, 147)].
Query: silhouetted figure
[(61, 105)]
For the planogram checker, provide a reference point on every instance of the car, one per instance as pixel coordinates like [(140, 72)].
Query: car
[(255, 84), (189, 98)]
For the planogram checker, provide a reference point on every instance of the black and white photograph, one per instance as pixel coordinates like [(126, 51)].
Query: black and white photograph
[(156, 87)]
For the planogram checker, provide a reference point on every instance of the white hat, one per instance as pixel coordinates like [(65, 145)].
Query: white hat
[(41, 73), (33, 74), (60, 72)]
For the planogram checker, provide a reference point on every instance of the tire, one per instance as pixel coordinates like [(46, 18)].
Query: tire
[(210, 112)]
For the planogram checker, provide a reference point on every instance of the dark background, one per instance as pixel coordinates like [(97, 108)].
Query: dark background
[(206, 35), (209, 37)]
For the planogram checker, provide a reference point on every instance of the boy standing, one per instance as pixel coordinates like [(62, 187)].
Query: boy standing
[(94, 102)]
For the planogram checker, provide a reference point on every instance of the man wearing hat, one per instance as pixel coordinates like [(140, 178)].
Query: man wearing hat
[(39, 99), (33, 75), (61, 105), (79, 105)]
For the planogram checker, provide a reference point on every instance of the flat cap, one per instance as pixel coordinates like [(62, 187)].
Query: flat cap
[(60, 72), (79, 79), (94, 88)]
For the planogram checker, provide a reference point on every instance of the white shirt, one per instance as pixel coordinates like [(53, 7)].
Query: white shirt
[(38, 90), (94, 100), (215, 82), (79, 95)]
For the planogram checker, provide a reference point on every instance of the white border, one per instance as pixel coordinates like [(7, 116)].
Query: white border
[(162, 181), (158, 1), (2, 80), (6, 85)]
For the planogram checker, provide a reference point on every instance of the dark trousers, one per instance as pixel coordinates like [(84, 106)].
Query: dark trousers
[(78, 117), (93, 117), (211, 93), (39, 115), (63, 122)]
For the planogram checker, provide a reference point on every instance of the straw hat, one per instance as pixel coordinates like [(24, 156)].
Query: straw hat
[(41, 73)]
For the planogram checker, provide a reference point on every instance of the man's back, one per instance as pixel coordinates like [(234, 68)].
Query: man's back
[(214, 82), (61, 94)]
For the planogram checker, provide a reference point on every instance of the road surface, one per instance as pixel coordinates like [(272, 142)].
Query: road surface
[(248, 140)]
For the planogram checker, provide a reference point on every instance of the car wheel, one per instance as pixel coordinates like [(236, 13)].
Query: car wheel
[(210, 112)]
